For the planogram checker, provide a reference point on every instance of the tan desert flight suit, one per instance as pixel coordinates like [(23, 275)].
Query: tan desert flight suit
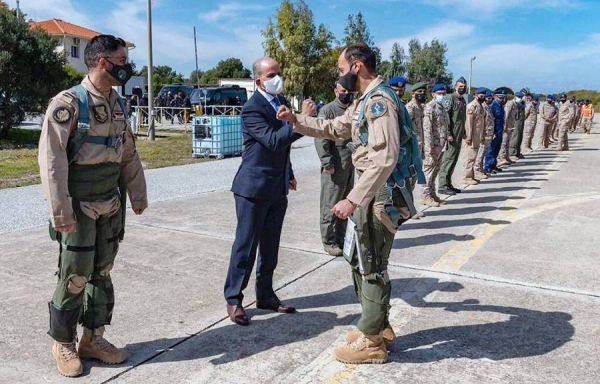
[(474, 131)]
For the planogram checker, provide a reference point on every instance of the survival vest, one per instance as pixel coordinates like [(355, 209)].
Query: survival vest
[(409, 162)]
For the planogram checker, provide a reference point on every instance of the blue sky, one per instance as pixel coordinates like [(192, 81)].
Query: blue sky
[(547, 45)]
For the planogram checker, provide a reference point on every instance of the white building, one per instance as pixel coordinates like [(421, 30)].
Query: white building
[(72, 40)]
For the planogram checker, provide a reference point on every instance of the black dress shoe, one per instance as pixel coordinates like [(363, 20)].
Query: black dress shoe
[(447, 191), (237, 314), (497, 169), (274, 304), (520, 156), (455, 190)]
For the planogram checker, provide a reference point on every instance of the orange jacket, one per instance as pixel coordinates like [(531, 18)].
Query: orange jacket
[(587, 110)]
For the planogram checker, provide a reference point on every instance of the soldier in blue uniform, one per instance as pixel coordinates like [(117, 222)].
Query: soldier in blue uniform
[(494, 149)]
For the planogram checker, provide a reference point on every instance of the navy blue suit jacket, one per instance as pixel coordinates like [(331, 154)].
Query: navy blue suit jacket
[(266, 169)]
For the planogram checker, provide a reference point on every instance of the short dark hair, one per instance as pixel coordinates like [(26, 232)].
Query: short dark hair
[(362, 53), (99, 45)]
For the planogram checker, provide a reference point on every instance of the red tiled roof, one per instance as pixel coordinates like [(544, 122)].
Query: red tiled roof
[(62, 28)]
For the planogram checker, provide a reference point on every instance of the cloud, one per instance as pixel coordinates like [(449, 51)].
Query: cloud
[(543, 69), (230, 10), (448, 31), (40, 10)]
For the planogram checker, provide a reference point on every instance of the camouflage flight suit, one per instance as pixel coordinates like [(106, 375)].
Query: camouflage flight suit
[(435, 143), (531, 117), (565, 116), (548, 115), (85, 189), (488, 135), (474, 132), (374, 162)]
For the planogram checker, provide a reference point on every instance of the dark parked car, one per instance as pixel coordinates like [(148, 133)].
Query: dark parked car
[(211, 97), (175, 88)]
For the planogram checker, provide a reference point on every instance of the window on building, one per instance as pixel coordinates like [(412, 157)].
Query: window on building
[(74, 51)]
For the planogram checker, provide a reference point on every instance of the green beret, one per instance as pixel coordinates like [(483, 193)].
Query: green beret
[(417, 86)]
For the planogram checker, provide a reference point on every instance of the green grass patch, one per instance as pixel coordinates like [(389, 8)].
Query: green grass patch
[(18, 154)]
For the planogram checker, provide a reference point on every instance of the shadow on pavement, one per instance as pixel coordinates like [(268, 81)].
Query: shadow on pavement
[(445, 211), (525, 333), (485, 199), (422, 241), (513, 179), (437, 224), (501, 189)]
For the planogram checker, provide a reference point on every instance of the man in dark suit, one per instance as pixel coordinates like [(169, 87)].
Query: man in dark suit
[(260, 190)]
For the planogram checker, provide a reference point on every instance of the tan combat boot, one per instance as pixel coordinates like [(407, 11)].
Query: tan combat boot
[(94, 346), (67, 360), (470, 182), (388, 334), (438, 199), (366, 349), (481, 176), (418, 215), (502, 163), (514, 159), (430, 202)]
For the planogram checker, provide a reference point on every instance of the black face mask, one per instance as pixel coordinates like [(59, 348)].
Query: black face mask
[(481, 99), (348, 81), (420, 97), (121, 73), (346, 98), (488, 101), (462, 91)]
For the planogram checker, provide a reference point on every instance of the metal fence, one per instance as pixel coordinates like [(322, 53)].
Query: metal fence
[(176, 117)]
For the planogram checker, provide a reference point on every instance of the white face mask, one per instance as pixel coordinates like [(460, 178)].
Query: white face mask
[(440, 98), (274, 86)]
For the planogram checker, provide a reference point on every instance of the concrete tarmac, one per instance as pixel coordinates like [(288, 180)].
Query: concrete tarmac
[(498, 286)]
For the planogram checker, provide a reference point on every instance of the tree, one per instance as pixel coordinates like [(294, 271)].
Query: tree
[(161, 75), (231, 68), (428, 62), (31, 72), (304, 52), (195, 76), (397, 63), (74, 77), (357, 31)]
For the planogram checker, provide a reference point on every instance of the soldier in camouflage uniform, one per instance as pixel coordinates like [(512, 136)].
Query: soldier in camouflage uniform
[(548, 114), (531, 118), (88, 163), (435, 136), (415, 111), (565, 117)]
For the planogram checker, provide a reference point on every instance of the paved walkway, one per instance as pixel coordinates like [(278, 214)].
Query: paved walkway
[(498, 286)]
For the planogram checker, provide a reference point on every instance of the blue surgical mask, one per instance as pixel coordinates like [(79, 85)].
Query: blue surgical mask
[(440, 98)]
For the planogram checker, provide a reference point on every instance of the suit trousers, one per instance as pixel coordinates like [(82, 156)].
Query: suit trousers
[(259, 227)]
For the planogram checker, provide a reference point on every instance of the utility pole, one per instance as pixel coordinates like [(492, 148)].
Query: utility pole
[(18, 10), (471, 74), (151, 111), (196, 54)]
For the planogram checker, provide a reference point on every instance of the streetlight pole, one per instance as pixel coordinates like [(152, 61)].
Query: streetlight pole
[(151, 111), (471, 74)]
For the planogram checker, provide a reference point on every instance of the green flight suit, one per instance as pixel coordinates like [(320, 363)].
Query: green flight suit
[(457, 110), (334, 188)]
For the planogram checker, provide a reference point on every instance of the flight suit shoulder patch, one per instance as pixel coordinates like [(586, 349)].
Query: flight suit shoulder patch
[(61, 114), (376, 109)]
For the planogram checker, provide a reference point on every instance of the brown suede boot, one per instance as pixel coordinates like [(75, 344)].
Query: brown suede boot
[(94, 346), (388, 334), (366, 349), (67, 360)]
